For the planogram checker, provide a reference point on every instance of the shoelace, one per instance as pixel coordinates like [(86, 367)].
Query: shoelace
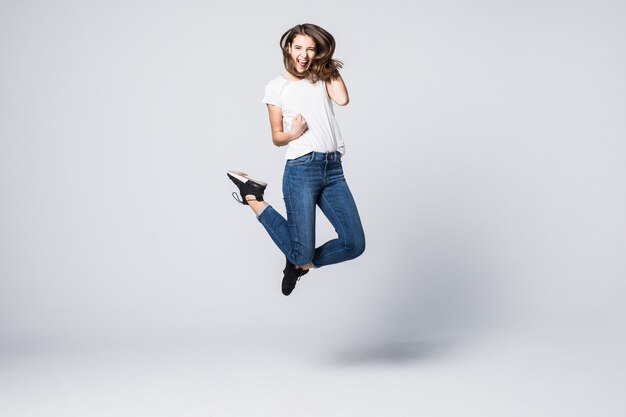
[(239, 200), (301, 273), (236, 197)]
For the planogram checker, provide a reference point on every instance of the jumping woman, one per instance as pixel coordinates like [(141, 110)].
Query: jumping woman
[(300, 106)]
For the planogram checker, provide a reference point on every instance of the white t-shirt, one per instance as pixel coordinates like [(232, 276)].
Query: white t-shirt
[(313, 102)]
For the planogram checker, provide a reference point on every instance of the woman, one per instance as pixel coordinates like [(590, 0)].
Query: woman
[(301, 116)]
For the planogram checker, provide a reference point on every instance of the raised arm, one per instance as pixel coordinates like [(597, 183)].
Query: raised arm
[(280, 138), (337, 90)]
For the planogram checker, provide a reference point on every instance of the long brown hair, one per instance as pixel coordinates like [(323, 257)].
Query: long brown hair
[(323, 66)]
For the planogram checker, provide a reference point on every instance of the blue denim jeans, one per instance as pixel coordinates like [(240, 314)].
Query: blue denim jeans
[(315, 179)]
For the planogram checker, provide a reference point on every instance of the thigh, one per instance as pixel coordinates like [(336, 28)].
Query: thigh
[(301, 187), (338, 205)]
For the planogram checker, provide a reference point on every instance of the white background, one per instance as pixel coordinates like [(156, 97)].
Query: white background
[(486, 149)]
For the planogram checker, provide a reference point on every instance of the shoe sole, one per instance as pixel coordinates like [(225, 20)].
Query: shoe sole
[(243, 178)]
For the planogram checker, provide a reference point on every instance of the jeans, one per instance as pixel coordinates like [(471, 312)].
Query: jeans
[(315, 179)]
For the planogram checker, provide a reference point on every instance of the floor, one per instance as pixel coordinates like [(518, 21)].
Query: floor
[(530, 373)]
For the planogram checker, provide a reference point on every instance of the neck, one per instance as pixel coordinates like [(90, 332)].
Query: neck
[(289, 76)]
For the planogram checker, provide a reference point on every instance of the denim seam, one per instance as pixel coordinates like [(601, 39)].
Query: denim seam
[(295, 238)]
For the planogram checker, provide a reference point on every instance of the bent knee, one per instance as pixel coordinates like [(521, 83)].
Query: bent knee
[(355, 248)]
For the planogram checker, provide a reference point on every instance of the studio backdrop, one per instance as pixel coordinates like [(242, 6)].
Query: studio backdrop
[(485, 146)]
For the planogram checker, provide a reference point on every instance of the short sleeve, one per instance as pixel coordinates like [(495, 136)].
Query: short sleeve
[(272, 93)]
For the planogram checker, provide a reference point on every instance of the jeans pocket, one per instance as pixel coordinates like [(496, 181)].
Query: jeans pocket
[(302, 160)]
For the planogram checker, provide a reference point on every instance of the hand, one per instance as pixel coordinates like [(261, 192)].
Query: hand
[(298, 126)]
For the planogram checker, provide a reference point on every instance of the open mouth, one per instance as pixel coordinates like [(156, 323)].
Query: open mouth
[(303, 63)]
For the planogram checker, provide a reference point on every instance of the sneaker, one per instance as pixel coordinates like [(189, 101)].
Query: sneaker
[(291, 275), (247, 186)]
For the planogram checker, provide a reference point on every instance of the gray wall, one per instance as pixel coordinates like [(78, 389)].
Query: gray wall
[(485, 148)]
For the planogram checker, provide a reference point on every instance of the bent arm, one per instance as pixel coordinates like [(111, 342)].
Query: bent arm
[(337, 91), (279, 137)]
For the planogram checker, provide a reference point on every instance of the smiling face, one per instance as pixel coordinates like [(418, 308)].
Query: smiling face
[(302, 51)]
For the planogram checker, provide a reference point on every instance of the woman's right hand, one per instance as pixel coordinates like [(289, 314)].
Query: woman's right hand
[(298, 126)]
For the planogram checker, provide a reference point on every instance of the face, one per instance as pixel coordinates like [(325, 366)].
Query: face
[(302, 51)]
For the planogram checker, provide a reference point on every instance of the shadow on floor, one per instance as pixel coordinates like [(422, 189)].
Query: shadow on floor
[(389, 353)]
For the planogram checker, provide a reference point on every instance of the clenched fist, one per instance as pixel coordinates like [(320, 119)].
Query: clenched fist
[(298, 126)]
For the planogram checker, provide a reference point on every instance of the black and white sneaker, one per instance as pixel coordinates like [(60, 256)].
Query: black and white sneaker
[(247, 186), (291, 275)]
